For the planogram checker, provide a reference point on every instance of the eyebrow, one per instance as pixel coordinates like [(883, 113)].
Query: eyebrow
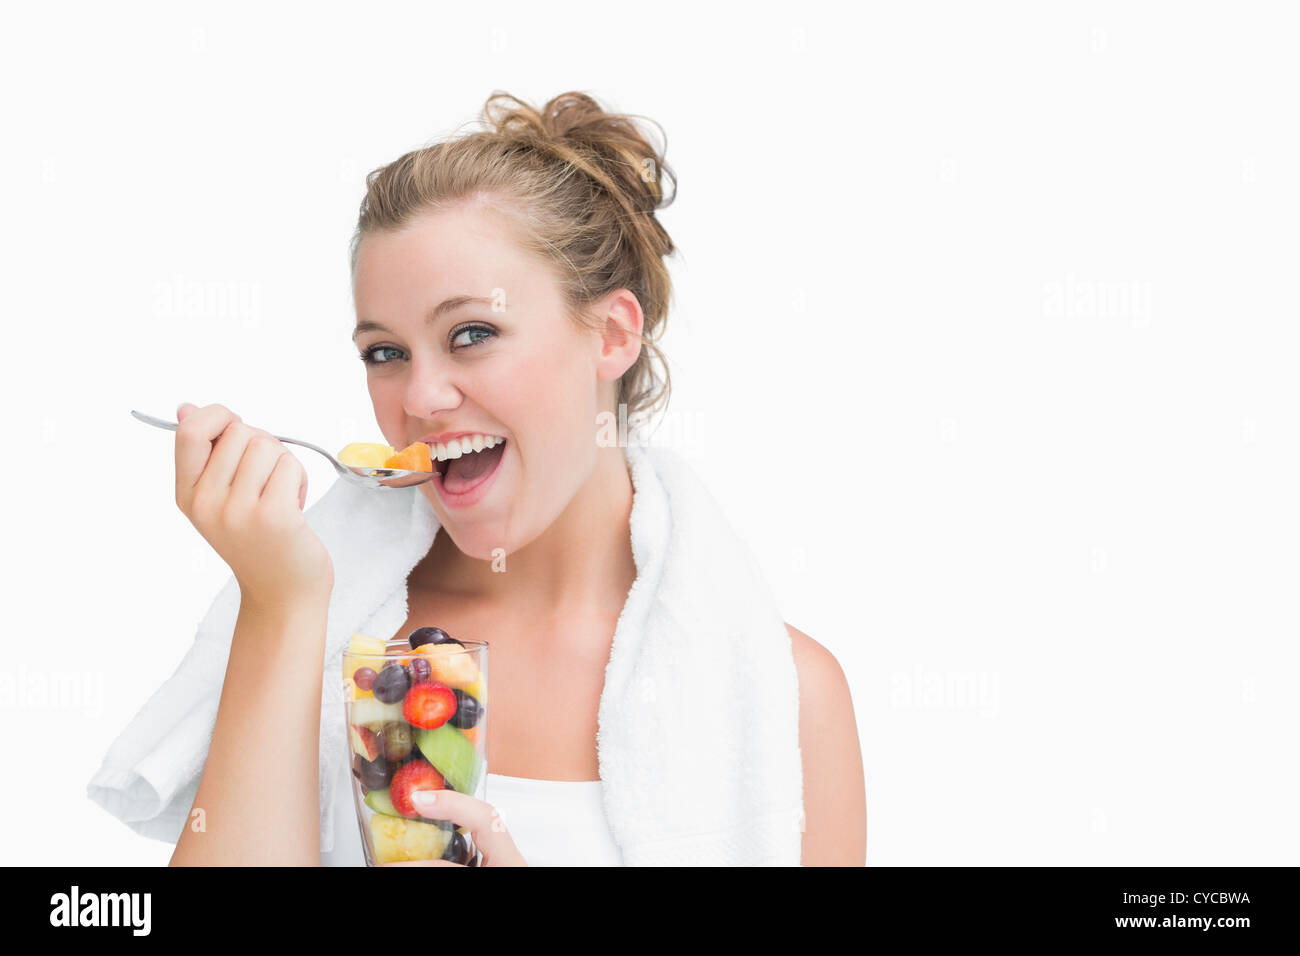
[(455, 302)]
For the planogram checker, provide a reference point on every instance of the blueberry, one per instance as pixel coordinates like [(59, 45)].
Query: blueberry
[(468, 710), (431, 635), (391, 684)]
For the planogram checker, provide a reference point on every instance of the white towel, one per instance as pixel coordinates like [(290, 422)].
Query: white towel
[(698, 741)]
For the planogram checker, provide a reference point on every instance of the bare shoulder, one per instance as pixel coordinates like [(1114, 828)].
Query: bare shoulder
[(818, 669), (835, 810)]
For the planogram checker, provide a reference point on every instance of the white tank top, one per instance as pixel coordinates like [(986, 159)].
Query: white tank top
[(553, 822)]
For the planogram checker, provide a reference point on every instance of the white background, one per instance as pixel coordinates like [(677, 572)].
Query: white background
[(984, 337)]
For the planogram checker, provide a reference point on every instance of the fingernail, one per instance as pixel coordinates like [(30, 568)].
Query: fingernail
[(425, 797)]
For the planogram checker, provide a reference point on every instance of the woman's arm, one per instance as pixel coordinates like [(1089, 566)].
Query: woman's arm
[(834, 789), (259, 794)]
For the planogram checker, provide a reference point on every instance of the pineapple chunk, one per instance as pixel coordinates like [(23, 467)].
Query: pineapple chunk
[(361, 454), (361, 646), (397, 839), (364, 644)]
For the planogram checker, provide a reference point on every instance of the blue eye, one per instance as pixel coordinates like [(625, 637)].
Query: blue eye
[(368, 356), (486, 332)]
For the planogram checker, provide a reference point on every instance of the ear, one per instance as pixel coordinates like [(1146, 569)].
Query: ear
[(620, 314)]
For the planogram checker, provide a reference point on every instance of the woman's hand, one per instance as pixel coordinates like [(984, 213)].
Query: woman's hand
[(481, 819), (244, 491)]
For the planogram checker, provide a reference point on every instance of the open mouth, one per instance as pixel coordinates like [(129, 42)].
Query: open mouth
[(459, 476)]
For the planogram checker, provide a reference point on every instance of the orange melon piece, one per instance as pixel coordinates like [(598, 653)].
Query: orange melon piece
[(472, 734), (451, 664), (414, 457)]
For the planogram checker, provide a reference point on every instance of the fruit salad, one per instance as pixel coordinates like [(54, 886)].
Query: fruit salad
[(360, 454), (416, 713)]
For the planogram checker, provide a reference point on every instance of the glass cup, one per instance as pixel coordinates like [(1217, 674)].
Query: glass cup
[(417, 720)]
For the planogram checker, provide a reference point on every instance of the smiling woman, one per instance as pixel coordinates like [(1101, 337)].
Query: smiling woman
[(650, 705), (506, 282)]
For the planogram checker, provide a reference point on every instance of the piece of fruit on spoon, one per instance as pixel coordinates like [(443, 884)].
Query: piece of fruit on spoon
[(414, 457), (362, 454)]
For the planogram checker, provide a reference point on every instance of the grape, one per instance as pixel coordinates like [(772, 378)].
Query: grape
[(395, 739), (392, 683), (457, 851), (431, 635), (468, 710), (364, 678), (421, 669), (374, 774)]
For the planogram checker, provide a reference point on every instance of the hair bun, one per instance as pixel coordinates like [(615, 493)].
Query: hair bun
[(575, 127)]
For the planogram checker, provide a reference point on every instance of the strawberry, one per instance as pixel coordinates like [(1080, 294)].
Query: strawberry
[(429, 704), (416, 775)]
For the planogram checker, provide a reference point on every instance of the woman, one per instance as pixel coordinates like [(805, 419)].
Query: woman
[(506, 284)]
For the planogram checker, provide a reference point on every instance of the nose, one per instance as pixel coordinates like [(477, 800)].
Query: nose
[(429, 392)]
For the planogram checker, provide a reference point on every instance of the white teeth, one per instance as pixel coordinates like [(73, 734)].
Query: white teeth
[(462, 446)]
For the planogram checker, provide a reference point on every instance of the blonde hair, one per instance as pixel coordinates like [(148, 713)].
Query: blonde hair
[(582, 184)]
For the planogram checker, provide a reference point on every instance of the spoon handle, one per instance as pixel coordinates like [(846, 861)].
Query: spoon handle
[(150, 420), (172, 426)]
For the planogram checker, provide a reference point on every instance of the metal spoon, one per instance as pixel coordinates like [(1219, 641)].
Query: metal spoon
[(365, 477)]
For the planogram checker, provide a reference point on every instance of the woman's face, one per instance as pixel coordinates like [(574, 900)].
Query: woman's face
[(509, 363)]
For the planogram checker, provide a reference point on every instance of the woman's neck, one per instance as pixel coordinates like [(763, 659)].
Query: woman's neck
[(582, 562)]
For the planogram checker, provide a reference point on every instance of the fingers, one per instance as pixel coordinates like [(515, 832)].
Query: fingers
[(481, 819), (226, 463), (195, 434), (223, 463), (254, 472), (286, 481)]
